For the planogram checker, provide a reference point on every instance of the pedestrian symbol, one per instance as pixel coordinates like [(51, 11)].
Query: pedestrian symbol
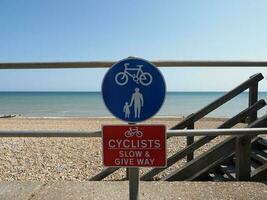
[(133, 90), (138, 101), (126, 109)]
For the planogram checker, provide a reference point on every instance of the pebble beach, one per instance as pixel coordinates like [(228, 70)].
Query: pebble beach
[(57, 159)]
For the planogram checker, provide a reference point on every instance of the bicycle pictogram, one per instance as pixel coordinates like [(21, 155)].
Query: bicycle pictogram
[(139, 76), (133, 131)]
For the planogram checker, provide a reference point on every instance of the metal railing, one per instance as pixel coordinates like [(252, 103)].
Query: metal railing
[(243, 142), (170, 133), (106, 64), (165, 63)]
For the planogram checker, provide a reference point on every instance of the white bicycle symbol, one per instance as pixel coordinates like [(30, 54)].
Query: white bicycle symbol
[(133, 131), (144, 78)]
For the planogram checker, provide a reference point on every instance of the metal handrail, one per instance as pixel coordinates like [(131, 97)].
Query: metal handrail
[(106, 64), (170, 133)]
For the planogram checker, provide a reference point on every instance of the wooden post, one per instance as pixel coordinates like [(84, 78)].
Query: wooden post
[(253, 98), (243, 158), (243, 143), (189, 141)]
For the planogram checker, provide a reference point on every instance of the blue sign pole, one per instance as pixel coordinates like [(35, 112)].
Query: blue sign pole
[(133, 90)]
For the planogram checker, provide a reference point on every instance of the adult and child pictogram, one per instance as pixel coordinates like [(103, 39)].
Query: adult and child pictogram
[(138, 101)]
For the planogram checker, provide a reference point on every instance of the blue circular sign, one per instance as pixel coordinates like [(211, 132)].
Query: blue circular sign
[(133, 90)]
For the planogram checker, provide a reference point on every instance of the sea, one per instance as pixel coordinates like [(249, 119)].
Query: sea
[(90, 104)]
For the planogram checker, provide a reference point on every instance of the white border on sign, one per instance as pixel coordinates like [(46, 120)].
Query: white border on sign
[(135, 166), (131, 57)]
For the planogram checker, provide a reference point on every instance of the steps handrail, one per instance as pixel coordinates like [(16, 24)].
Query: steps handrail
[(203, 140), (220, 101)]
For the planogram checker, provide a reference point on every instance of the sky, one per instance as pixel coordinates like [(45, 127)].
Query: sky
[(90, 30)]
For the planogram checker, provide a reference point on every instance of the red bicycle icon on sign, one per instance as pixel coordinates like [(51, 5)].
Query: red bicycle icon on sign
[(133, 131)]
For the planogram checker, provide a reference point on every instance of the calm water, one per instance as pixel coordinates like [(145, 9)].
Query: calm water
[(89, 104)]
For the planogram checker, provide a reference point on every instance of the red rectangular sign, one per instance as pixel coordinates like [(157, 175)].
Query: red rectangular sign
[(134, 145)]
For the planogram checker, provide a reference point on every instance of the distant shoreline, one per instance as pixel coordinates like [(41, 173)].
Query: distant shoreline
[(90, 104)]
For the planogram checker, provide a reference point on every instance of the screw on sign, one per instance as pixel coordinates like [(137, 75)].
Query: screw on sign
[(134, 146), (133, 90)]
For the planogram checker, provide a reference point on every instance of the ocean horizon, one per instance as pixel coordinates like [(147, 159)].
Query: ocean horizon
[(90, 104)]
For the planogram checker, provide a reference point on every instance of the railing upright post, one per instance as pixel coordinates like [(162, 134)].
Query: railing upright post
[(189, 141), (243, 143), (243, 159), (252, 99)]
